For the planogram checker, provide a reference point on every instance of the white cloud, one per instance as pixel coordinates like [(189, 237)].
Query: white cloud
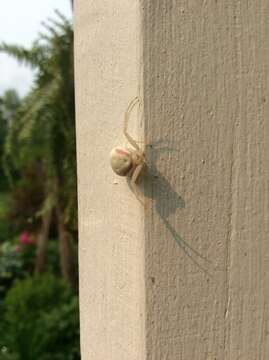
[(20, 22)]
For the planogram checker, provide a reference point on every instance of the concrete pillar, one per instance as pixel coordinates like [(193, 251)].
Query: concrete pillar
[(186, 276)]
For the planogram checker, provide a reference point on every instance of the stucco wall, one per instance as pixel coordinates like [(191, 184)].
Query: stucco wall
[(186, 277), (110, 221)]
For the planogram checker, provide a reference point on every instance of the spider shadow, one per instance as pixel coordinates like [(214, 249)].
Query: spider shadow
[(153, 185)]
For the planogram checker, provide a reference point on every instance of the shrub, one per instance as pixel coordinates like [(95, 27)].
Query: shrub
[(41, 321), (11, 267), (17, 259)]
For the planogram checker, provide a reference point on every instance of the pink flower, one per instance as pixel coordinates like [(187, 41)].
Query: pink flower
[(18, 248), (25, 238)]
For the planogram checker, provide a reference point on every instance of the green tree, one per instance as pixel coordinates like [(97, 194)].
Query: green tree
[(43, 131), (9, 103), (3, 132)]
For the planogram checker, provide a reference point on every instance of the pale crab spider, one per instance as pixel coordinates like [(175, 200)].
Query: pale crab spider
[(127, 161)]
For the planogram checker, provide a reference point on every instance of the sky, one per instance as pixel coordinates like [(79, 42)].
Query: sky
[(20, 22)]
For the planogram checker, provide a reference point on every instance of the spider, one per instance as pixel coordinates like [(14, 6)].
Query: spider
[(127, 161)]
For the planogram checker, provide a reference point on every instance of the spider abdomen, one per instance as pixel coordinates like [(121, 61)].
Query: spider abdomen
[(121, 161)]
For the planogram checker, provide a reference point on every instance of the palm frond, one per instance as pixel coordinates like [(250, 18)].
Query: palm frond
[(31, 57)]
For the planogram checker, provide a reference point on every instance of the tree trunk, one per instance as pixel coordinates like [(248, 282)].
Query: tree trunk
[(66, 251), (42, 242)]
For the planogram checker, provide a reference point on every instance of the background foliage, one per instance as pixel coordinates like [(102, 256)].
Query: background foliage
[(38, 204), (41, 320)]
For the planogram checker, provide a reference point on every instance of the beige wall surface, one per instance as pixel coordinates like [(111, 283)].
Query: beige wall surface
[(186, 277), (110, 221)]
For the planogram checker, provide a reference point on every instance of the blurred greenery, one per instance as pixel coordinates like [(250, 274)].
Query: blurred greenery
[(6, 230), (38, 204), (41, 320)]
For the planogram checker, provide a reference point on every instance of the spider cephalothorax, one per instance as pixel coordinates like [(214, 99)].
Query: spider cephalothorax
[(128, 161)]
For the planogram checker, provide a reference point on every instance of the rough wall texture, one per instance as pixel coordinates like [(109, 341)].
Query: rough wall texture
[(195, 276), (206, 99)]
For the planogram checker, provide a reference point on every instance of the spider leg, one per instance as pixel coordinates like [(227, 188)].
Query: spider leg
[(131, 106), (137, 172), (134, 178)]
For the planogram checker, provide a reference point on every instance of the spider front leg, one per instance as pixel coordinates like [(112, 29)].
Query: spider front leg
[(131, 106)]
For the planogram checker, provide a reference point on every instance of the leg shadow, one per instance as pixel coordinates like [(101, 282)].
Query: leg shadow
[(153, 185)]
